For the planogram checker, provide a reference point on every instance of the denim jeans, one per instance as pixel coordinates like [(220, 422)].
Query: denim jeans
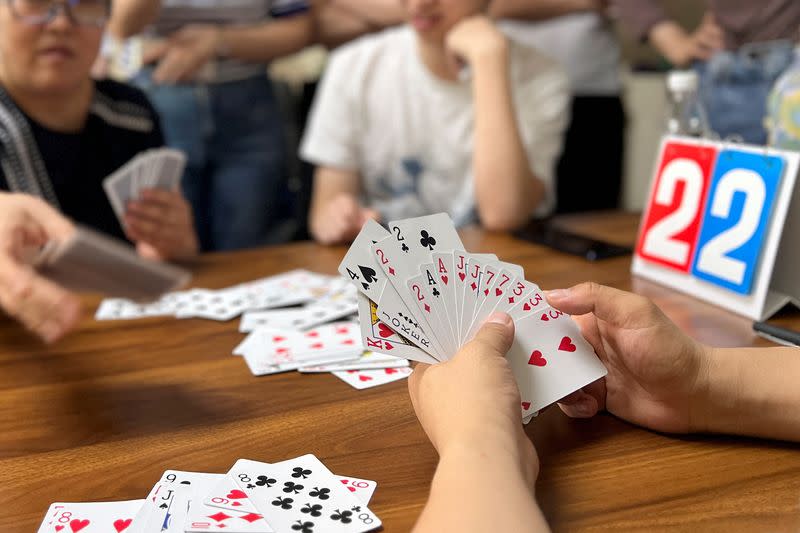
[(236, 175), (734, 87)]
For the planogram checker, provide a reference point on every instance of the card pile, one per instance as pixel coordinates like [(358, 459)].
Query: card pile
[(300, 494), (160, 168), (422, 297)]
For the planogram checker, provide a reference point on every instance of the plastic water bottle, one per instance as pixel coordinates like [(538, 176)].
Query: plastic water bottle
[(783, 108), (686, 114)]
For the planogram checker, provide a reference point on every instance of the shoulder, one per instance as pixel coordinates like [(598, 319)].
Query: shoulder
[(372, 52), (125, 107)]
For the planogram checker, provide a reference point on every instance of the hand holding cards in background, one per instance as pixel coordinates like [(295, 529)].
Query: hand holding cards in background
[(474, 396), (341, 220), (45, 308), (161, 224), (655, 371)]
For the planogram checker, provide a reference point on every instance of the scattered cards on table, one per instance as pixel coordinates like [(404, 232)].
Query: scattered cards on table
[(300, 494), (422, 297), (160, 168)]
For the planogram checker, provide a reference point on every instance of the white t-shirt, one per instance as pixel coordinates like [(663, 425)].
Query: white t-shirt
[(583, 43), (380, 112)]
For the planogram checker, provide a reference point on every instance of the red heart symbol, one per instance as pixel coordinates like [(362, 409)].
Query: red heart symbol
[(312, 334), (121, 525), (59, 527), (348, 341), (236, 504), (388, 346), (384, 330), (444, 279), (391, 371), (344, 481), (278, 339), (343, 330), (351, 489), (486, 292), (316, 345), (462, 276), (537, 359), (526, 405), (567, 345), (526, 307), (236, 494), (76, 525), (545, 318), (364, 378), (282, 350), (498, 292)]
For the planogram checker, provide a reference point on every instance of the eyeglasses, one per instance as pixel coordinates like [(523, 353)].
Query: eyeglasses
[(42, 12)]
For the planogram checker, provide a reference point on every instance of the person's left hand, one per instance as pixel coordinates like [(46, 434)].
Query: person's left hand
[(474, 38), (162, 226), (473, 399), (186, 51)]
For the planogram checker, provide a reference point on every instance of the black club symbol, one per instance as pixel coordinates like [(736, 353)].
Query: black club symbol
[(404, 247), (344, 516), (292, 487), (436, 292), (322, 494), (264, 480), (300, 472), (356, 509), (427, 241), (283, 503), (303, 527), (313, 510)]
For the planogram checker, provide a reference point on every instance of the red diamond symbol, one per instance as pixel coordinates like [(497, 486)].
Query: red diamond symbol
[(473, 286), (252, 517), (427, 308), (220, 516), (391, 271), (511, 300)]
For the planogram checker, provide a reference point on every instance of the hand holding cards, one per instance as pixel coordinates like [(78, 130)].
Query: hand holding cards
[(91, 262), (417, 284)]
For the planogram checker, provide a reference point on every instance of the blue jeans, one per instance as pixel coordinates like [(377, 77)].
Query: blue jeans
[(734, 87), (236, 175)]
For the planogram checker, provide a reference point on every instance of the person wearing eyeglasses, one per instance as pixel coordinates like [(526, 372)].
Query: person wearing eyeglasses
[(61, 133)]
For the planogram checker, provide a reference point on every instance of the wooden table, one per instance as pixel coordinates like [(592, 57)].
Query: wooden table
[(101, 415)]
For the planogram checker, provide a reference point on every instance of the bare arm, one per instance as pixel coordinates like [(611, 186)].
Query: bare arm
[(541, 9), (751, 391), (268, 41), (336, 216), (130, 17), (339, 21)]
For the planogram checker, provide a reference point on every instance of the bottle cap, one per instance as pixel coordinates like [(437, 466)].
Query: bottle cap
[(682, 81)]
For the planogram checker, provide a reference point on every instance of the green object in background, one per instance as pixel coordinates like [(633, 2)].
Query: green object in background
[(783, 109)]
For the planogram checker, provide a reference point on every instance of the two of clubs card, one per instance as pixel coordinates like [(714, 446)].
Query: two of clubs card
[(160, 168), (422, 297), (299, 494)]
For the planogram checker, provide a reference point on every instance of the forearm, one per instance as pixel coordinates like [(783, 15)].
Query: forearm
[(264, 42), (336, 26), (751, 391), (669, 39), (377, 13), (539, 9), (505, 188), (473, 479), (130, 17)]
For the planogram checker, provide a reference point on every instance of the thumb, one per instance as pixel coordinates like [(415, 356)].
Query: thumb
[(496, 335)]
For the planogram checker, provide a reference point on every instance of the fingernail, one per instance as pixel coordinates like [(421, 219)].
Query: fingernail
[(499, 318), (557, 294)]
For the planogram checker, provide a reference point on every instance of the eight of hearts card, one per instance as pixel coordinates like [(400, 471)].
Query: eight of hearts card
[(428, 297)]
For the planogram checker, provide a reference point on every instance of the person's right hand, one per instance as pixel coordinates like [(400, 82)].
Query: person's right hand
[(656, 373), (341, 220), (681, 48), (28, 223)]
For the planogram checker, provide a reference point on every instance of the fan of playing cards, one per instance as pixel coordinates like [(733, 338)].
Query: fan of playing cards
[(423, 297), (161, 168), (300, 494)]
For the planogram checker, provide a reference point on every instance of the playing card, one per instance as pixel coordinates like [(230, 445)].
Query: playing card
[(426, 295), (379, 337), (472, 290), (525, 299), (492, 294), (299, 319), (102, 517), (550, 359), (368, 361), (303, 494), (157, 512), (366, 379), (92, 262)]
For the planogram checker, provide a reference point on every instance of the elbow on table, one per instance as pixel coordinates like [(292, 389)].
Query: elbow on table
[(503, 220)]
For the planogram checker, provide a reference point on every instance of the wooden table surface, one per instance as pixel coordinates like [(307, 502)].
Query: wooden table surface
[(101, 415)]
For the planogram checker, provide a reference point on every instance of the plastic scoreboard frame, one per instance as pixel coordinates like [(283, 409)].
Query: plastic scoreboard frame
[(776, 276)]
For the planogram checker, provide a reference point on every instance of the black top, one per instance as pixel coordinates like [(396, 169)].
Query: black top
[(121, 123)]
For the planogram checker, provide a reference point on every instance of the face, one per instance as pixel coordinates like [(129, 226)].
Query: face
[(433, 19), (53, 58)]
